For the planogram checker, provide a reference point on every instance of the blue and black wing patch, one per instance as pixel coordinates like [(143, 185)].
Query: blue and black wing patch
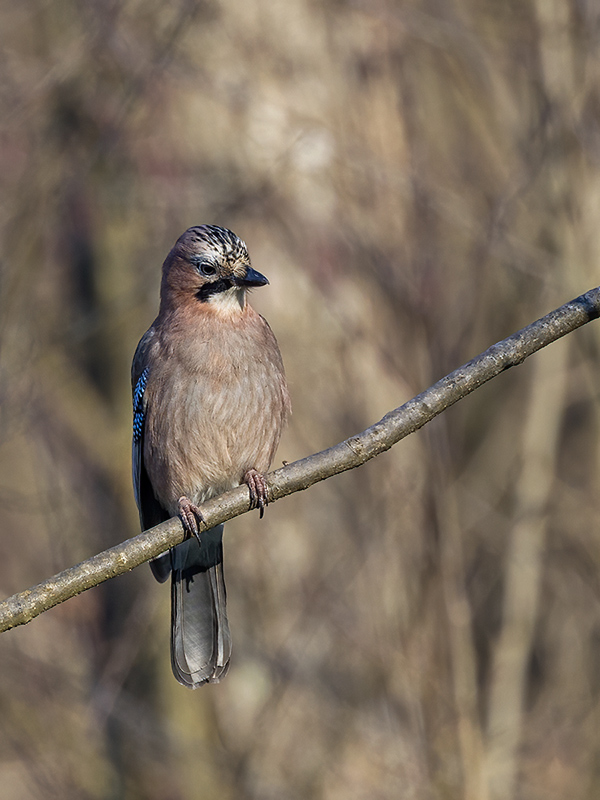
[(138, 406)]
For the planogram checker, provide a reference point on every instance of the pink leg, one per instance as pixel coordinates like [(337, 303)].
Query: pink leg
[(258, 490), (191, 516)]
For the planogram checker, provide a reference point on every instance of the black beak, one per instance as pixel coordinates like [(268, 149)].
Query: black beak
[(252, 278)]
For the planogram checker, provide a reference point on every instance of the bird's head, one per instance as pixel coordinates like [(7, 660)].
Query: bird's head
[(209, 264)]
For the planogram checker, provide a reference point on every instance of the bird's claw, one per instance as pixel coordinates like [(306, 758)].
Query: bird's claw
[(190, 516), (258, 487)]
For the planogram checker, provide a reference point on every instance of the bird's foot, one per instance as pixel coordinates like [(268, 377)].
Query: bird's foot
[(258, 487), (190, 516)]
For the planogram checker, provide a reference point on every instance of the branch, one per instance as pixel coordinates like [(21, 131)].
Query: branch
[(24, 606)]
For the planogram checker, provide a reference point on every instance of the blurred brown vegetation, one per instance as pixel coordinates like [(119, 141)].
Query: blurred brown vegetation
[(418, 179)]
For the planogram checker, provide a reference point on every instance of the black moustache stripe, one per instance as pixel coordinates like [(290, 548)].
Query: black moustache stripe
[(216, 287)]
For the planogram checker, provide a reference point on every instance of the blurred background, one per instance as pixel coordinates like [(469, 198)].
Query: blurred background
[(418, 179)]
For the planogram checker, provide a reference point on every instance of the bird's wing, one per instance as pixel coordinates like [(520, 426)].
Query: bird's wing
[(151, 512)]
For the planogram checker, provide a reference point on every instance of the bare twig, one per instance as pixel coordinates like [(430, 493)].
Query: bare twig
[(24, 606)]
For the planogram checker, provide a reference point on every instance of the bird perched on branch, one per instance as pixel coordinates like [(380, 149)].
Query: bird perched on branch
[(210, 400)]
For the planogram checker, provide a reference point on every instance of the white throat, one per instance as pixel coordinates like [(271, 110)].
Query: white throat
[(231, 301)]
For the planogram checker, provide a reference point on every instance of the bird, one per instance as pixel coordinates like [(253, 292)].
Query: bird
[(210, 401)]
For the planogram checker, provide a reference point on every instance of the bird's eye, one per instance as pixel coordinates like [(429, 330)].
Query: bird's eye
[(205, 266)]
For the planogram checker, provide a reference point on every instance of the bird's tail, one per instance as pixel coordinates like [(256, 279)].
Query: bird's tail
[(200, 638)]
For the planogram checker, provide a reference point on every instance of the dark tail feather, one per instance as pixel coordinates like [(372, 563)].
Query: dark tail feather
[(200, 638)]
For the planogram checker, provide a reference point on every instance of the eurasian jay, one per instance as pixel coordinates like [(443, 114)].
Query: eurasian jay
[(210, 400)]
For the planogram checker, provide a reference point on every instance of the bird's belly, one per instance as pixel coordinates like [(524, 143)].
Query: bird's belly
[(211, 432)]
